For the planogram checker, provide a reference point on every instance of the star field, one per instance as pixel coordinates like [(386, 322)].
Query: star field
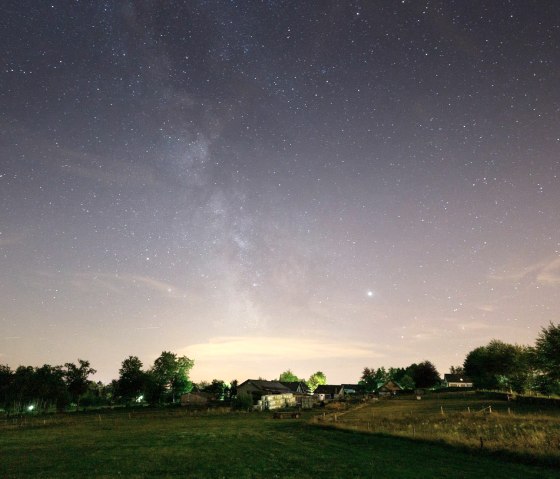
[(266, 185)]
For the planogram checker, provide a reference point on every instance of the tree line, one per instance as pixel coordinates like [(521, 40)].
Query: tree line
[(512, 367), (47, 387), (498, 366), (314, 381), (422, 375)]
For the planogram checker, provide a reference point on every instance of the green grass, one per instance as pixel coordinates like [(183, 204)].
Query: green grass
[(172, 443)]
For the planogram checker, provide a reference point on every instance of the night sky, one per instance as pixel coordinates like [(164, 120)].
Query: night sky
[(264, 185)]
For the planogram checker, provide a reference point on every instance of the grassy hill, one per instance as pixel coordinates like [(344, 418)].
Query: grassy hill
[(176, 443)]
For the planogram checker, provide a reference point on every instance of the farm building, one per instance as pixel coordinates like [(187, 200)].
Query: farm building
[(261, 387), (195, 399), (457, 381), (298, 387), (390, 388), (328, 391), (267, 394)]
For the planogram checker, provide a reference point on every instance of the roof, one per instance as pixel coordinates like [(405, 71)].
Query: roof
[(296, 387), (456, 378), (328, 389), (391, 386), (354, 387), (274, 387)]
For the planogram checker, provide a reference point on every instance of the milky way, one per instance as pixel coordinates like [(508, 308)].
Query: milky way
[(264, 185)]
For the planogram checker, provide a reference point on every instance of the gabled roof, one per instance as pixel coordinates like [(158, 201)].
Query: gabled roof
[(391, 386), (273, 387), (296, 387), (328, 389), (456, 378)]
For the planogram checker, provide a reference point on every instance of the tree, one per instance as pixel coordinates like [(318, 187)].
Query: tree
[(368, 380), (406, 382), (499, 365), (381, 376), (21, 391), (76, 378), (547, 357), (6, 379), (233, 388), (424, 374), (218, 388), (289, 377), (315, 380), (170, 376), (132, 380), (50, 387), (460, 370)]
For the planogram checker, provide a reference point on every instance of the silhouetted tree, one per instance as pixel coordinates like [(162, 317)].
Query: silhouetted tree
[(218, 388), (368, 379), (76, 378), (51, 388), (233, 388), (424, 374), (132, 380), (6, 379), (457, 370), (169, 376), (499, 365), (547, 358)]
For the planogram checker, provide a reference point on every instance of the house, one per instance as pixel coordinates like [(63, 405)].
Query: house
[(457, 381), (302, 394), (328, 391), (298, 387), (389, 388), (257, 388)]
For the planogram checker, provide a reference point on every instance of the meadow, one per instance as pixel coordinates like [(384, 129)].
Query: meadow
[(469, 420), (219, 444)]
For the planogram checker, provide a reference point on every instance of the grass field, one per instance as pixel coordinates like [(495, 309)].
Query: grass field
[(465, 420), (174, 443)]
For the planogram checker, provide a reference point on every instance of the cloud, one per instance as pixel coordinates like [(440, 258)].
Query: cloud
[(543, 272), (6, 240), (550, 273), (121, 283), (488, 308), (118, 173), (266, 348)]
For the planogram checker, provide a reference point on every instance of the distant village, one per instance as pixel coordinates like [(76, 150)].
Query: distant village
[(498, 366), (262, 395)]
